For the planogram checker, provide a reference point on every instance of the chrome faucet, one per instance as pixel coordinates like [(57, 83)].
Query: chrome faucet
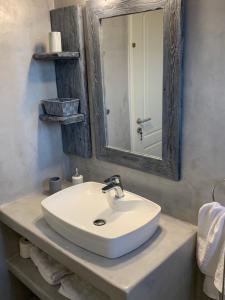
[(114, 183)]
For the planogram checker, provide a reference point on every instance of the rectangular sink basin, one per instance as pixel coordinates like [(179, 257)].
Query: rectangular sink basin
[(99, 222)]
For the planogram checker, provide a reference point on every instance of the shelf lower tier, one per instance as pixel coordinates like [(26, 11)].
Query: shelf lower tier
[(62, 120), (57, 56), (28, 274)]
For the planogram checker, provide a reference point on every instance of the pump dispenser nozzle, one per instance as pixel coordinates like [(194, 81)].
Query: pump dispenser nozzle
[(77, 178)]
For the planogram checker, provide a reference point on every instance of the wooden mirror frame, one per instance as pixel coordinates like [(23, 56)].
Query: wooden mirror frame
[(169, 165)]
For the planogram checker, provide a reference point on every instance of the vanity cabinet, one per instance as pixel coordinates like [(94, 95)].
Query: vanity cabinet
[(162, 268)]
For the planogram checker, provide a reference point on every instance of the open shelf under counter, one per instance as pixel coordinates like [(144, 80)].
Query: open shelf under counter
[(78, 118), (66, 55), (28, 274)]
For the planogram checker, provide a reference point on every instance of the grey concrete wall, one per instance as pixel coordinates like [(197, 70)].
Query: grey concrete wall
[(30, 151), (203, 145), (114, 47)]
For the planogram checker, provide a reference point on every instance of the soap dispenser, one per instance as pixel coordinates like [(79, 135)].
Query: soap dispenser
[(77, 178)]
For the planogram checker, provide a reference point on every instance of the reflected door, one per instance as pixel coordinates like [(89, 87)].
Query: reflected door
[(145, 31)]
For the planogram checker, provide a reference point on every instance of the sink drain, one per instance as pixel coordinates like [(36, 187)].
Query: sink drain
[(99, 222)]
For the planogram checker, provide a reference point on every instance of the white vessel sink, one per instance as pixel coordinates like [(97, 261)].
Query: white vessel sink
[(126, 223)]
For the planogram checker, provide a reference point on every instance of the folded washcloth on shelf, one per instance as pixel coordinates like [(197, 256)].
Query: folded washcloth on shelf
[(49, 268), (74, 288), (211, 247)]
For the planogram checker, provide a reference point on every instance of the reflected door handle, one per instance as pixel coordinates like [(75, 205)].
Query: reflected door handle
[(142, 121)]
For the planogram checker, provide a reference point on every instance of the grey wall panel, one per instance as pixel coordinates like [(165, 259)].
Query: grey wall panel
[(30, 150)]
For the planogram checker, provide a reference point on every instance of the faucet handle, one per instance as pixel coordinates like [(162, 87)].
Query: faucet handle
[(114, 179)]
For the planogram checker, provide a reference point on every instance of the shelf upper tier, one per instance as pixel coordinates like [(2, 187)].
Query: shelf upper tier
[(57, 55)]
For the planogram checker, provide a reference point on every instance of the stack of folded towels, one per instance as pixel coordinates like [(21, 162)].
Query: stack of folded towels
[(211, 247), (49, 268), (71, 285)]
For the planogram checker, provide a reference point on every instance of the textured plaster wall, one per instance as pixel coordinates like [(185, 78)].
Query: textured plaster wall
[(30, 151)]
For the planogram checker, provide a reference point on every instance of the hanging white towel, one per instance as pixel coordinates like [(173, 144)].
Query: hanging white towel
[(74, 288), (50, 269), (210, 247)]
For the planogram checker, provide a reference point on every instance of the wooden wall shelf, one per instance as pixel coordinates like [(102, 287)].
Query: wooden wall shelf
[(71, 78), (56, 56), (62, 120)]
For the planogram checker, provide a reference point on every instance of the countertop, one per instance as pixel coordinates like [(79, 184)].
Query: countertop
[(116, 276)]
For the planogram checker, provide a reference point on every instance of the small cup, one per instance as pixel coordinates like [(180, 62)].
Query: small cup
[(55, 185)]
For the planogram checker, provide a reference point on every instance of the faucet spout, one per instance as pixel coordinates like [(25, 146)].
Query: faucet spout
[(114, 183)]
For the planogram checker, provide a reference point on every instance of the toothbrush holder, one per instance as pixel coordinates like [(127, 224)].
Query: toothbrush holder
[(55, 185)]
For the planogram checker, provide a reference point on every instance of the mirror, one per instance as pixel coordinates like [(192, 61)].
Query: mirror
[(132, 69), (135, 74)]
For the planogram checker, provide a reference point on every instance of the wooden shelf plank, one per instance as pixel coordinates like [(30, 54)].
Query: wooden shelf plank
[(28, 274), (62, 120), (68, 55), (71, 78)]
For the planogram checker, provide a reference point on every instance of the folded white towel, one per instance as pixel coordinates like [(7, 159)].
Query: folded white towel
[(211, 246), (74, 288), (50, 269)]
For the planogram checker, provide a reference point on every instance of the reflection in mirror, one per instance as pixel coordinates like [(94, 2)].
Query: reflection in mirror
[(132, 67)]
